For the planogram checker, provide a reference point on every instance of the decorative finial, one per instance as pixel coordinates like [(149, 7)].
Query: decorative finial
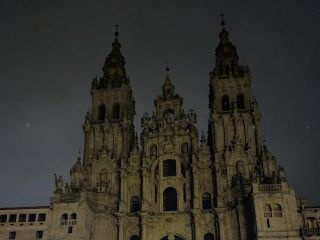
[(79, 153), (117, 29), (222, 20)]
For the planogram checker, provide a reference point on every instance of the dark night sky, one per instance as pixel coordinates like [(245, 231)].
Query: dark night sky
[(50, 50)]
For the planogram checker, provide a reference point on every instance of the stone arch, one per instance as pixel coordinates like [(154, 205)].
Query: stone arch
[(134, 237), (208, 236), (173, 236)]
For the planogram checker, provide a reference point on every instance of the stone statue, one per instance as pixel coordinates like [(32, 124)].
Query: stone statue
[(58, 183)]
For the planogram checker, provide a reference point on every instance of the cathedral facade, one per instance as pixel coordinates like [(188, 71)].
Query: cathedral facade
[(176, 184)]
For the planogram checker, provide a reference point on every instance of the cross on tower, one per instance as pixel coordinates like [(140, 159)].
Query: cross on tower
[(167, 67), (117, 29), (222, 19)]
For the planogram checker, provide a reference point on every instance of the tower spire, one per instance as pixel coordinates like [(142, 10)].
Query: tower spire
[(114, 67), (226, 53)]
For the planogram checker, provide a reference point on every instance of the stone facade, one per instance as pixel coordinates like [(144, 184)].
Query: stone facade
[(174, 185)]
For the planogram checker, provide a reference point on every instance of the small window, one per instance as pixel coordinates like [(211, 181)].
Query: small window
[(3, 218), (32, 217), (170, 201), (42, 217), (277, 210), (206, 201), (267, 211), (208, 236), (134, 237), (169, 168), (73, 219), (225, 103), (116, 111), (22, 217), (39, 234), (240, 101), (13, 218), (101, 112), (64, 219), (12, 235), (70, 229), (135, 204), (268, 223)]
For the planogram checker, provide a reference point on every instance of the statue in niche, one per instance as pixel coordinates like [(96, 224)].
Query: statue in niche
[(240, 169), (59, 183), (145, 120), (169, 117), (192, 116), (253, 176), (88, 117), (67, 189), (282, 177), (153, 151)]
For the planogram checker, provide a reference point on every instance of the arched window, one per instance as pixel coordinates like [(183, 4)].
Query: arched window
[(134, 237), (64, 219), (240, 101), (169, 168), (225, 103), (153, 150), (116, 111), (184, 148), (206, 201), (277, 210), (170, 202), (135, 204), (267, 211), (73, 219), (208, 236), (101, 112)]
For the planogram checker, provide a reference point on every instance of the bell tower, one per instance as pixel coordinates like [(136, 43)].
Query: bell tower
[(247, 178), (109, 124)]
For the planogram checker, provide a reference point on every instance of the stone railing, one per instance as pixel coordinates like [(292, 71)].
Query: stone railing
[(68, 222), (310, 232), (270, 188)]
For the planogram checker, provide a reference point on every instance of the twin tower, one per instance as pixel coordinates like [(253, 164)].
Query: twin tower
[(175, 185)]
